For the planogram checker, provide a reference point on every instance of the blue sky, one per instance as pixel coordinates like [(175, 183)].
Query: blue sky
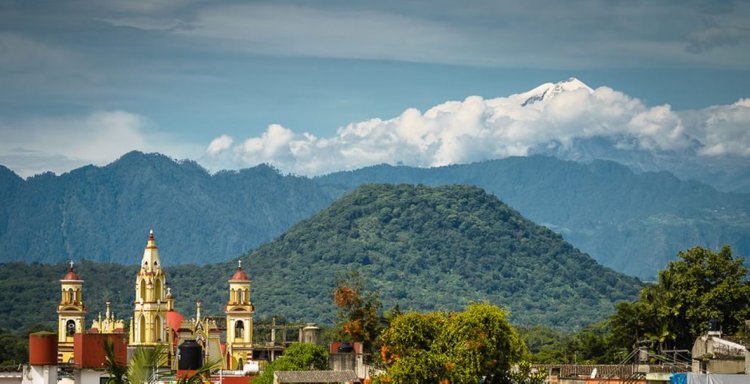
[(331, 82)]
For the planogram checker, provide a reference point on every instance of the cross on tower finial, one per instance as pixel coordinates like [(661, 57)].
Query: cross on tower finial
[(239, 264), (71, 265)]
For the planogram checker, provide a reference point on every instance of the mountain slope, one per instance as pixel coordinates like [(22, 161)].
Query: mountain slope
[(94, 212), (633, 223), (430, 248), (421, 248)]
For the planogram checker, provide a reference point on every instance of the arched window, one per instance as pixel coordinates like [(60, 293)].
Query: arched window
[(240, 364), (70, 295), (143, 289), (75, 296), (242, 296), (239, 329), (157, 290), (142, 329), (158, 330), (70, 327)]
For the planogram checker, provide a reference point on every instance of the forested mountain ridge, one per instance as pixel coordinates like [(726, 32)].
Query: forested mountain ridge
[(102, 213), (631, 222), (420, 247), (437, 248)]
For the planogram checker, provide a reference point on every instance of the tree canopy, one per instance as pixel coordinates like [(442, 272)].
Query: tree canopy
[(462, 347), (297, 357), (702, 285)]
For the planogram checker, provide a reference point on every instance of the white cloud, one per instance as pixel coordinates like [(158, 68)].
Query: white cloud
[(219, 144), (58, 144), (726, 130), (478, 129)]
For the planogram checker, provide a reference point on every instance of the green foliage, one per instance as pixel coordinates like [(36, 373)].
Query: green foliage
[(14, 350), (429, 249), (459, 347), (297, 357), (420, 248), (631, 222), (117, 373), (700, 286), (143, 364), (105, 213)]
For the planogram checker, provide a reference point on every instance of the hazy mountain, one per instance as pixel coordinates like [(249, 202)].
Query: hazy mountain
[(725, 173), (631, 222), (104, 213)]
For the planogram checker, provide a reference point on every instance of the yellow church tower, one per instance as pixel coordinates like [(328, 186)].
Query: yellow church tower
[(239, 311), (147, 327), (71, 313)]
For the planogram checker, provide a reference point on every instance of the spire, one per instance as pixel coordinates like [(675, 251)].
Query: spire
[(151, 259), (71, 275)]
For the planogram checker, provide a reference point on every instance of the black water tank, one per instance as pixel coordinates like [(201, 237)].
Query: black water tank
[(345, 348), (191, 356)]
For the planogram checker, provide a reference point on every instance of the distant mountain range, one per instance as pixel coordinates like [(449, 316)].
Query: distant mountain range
[(421, 248), (631, 222)]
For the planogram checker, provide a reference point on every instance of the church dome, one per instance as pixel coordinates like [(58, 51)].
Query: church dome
[(174, 319), (239, 274), (71, 275)]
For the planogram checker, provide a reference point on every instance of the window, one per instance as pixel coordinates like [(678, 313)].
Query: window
[(239, 329), (70, 328)]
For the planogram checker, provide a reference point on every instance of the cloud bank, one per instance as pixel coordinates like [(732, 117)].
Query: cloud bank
[(478, 129)]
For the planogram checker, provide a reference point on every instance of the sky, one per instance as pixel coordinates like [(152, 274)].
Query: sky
[(315, 87)]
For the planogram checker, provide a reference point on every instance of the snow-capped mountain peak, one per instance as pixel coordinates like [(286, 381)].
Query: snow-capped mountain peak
[(547, 91)]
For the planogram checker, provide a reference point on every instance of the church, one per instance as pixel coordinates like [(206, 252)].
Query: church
[(155, 322)]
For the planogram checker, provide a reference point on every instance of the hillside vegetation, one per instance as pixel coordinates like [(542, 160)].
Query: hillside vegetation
[(633, 223), (104, 213), (421, 248), (427, 249)]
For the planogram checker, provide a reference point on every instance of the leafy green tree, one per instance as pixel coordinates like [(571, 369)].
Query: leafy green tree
[(700, 286), (297, 357), (464, 347)]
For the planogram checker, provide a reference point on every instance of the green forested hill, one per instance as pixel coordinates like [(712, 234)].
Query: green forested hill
[(633, 223), (428, 248), (422, 248)]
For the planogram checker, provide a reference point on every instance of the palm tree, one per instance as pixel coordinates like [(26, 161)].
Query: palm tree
[(116, 371)]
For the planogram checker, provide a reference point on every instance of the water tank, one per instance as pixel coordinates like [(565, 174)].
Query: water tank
[(311, 334), (345, 348), (191, 356), (43, 348)]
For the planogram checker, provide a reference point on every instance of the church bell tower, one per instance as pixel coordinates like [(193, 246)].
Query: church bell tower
[(239, 311), (147, 327), (71, 313)]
